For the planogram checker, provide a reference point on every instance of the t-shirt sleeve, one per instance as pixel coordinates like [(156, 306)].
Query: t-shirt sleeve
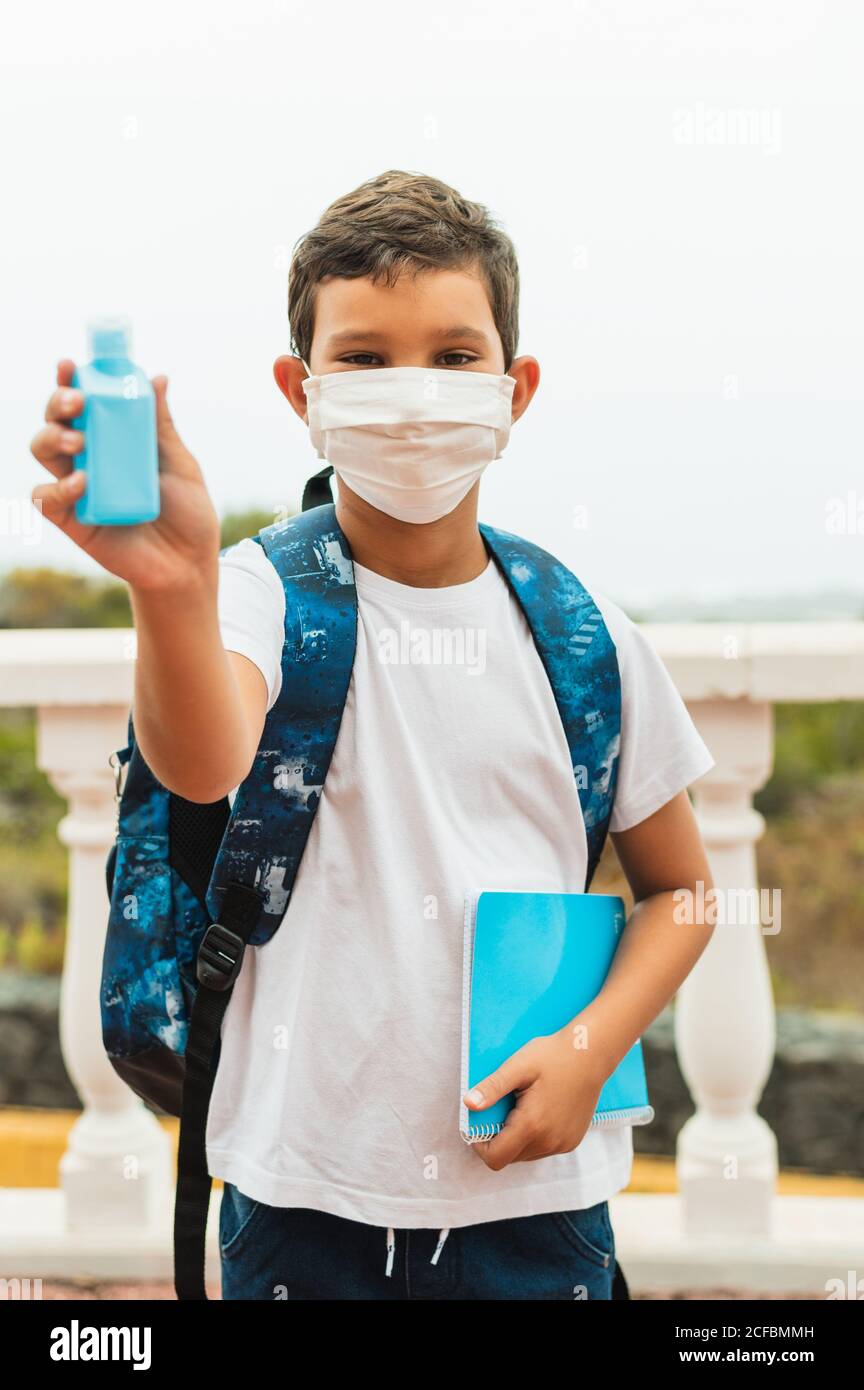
[(251, 608), (661, 750)]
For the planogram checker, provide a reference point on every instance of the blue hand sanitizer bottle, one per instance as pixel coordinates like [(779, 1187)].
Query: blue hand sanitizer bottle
[(119, 423)]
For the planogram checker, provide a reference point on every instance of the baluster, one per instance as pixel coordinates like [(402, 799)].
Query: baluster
[(724, 1013), (116, 1171)]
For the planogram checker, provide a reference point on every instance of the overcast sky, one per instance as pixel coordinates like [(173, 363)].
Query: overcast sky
[(682, 182)]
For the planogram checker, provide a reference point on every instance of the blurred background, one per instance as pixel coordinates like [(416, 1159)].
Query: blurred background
[(681, 183)]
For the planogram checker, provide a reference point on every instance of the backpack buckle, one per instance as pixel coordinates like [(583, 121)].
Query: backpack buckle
[(220, 956)]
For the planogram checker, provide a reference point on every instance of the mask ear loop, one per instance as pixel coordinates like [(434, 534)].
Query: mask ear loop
[(317, 492)]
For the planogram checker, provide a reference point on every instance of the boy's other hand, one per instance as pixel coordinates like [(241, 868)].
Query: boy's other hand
[(179, 549), (557, 1088)]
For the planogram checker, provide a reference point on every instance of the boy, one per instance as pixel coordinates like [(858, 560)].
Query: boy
[(345, 1174)]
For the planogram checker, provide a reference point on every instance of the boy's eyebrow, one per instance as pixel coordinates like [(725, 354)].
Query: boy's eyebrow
[(351, 335)]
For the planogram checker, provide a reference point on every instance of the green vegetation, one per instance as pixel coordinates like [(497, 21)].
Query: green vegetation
[(32, 860), (236, 526), (812, 743), (53, 598), (56, 598), (813, 851)]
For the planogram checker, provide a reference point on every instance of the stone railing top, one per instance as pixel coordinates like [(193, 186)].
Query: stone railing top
[(67, 666), (763, 661), (707, 661)]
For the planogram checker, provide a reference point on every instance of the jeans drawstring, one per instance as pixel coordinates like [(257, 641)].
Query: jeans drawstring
[(391, 1248), (442, 1236)]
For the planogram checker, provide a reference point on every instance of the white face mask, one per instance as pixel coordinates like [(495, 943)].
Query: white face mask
[(411, 441)]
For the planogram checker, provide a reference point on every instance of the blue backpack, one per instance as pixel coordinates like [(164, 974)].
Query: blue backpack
[(192, 885)]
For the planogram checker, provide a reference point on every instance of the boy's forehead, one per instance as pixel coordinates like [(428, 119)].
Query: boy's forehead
[(436, 299)]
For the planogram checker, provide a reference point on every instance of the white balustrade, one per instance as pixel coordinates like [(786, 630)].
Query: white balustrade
[(115, 1176), (116, 1170), (116, 1173), (730, 677)]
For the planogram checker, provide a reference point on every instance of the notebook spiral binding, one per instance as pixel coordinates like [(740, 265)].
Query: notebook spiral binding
[(481, 1132), (642, 1116), (601, 1120), (467, 962)]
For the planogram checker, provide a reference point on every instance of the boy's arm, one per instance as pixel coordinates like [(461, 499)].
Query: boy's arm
[(559, 1078), (657, 952), (198, 710)]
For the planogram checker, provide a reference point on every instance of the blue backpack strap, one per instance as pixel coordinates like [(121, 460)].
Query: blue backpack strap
[(276, 804), (272, 815), (582, 665)]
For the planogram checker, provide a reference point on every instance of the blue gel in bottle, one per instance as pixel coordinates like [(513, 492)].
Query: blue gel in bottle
[(120, 456)]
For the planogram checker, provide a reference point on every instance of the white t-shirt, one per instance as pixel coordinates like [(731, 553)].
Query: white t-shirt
[(338, 1086)]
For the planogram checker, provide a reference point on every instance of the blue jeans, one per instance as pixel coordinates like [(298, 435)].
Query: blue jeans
[(297, 1253)]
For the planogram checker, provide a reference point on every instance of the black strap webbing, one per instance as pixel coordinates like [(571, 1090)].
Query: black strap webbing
[(620, 1287), (317, 492), (219, 959)]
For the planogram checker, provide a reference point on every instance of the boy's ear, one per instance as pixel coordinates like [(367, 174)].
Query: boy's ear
[(526, 370), (289, 373)]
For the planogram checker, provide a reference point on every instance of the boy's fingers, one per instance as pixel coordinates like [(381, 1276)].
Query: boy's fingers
[(507, 1146), (66, 403), (515, 1073), (55, 446), (65, 371), (56, 500)]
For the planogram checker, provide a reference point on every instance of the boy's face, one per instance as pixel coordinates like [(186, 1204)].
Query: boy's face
[(438, 318)]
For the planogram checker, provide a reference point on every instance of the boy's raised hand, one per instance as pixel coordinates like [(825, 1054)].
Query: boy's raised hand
[(179, 547)]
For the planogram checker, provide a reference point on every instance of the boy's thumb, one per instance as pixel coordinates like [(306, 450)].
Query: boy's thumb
[(165, 429), (518, 1071), (172, 453)]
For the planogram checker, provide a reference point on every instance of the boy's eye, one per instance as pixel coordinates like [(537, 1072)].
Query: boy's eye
[(466, 358), (367, 359)]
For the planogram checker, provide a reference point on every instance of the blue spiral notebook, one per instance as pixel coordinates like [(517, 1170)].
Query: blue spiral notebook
[(531, 962)]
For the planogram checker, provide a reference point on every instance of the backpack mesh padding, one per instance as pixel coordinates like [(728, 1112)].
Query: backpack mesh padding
[(195, 833)]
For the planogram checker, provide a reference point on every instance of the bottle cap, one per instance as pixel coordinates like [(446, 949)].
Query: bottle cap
[(110, 335)]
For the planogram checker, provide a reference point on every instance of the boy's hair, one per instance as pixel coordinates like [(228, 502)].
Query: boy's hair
[(403, 222)]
